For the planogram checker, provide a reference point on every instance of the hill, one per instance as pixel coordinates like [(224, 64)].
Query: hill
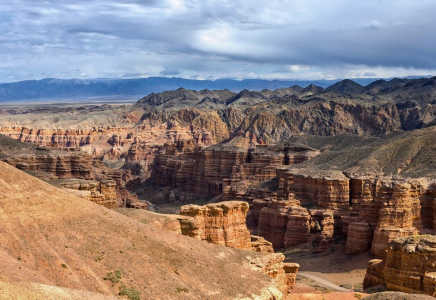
[(53, 241), (409, 154)]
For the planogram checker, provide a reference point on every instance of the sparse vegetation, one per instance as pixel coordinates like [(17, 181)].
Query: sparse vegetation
[(64, 266), (182, 290), (417, 237), (346, 286), (357, 296), (131, 293), (114, 277)]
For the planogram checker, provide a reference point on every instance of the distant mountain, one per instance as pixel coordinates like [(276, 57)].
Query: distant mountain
[(312, 88), (346, 87), (63, 89)]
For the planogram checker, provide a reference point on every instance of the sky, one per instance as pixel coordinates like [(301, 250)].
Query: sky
[(206, 39)]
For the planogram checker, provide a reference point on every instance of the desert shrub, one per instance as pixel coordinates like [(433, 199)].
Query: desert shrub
[(182, 290), (113, 277), (131, 293)]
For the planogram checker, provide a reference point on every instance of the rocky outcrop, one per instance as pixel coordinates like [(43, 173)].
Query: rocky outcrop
[(386, 210), (65, 165), (284, 225), (221, 223), (218, 223), (400, 217), (273, 266), (328, 189), (259, 244), (324, 239), (101, 192), (61, 138), (359, 237), (78, 171), (409, 265), (371, 211)]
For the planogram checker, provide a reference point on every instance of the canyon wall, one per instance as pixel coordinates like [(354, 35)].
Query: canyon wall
[(224, 224), (315, 206), (196, 172), (79, 171), (64, 165), (218, 223), (409, 265)]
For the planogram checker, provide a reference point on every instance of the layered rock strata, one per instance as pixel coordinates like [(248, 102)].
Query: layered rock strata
[(284, 225), (66, 165), (370, 211), (152, 143), (218, 223), (273, 266), (409, 265), (324, 239), (95, 181), (101, 192), (222, 223), (216, 170)]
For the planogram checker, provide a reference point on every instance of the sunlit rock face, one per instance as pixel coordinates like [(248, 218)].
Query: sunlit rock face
[(409, 265)]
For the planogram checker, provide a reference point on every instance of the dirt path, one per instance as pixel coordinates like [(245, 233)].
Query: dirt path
[(323, 282)]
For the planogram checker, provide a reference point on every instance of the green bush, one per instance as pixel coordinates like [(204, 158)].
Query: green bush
[(113, 277), (131, 293), (182, 290)]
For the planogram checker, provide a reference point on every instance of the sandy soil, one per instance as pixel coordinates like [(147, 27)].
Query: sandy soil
[(333, 266)]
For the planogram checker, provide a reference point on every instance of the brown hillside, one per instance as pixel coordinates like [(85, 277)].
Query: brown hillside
[(53, 238)]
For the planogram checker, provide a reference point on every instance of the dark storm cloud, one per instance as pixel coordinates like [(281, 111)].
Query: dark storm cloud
[(243, 38)]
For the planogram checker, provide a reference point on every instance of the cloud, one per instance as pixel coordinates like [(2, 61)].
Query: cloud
[(170, 71), (369, 74), (241, 38), (374, 24)]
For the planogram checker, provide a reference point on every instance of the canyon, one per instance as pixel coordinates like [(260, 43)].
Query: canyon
[(54, 243), (258, 171)]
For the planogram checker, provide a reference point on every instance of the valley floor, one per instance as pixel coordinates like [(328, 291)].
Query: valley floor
[(328, 275)]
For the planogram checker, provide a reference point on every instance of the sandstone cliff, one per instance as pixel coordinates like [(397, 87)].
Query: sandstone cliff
[(370, 211), (224, 224), (218, 223), (409, 265)]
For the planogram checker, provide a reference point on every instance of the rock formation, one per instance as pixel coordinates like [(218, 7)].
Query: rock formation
[(370, 211), (359, 237), (101, 192), (224, 224), (218, 223), (192, 171), (64, 165), (284, 225), (409, 265), (324, 239), (273, 266)]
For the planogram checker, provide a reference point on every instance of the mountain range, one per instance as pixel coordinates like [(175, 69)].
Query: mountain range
[(64, 89)]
